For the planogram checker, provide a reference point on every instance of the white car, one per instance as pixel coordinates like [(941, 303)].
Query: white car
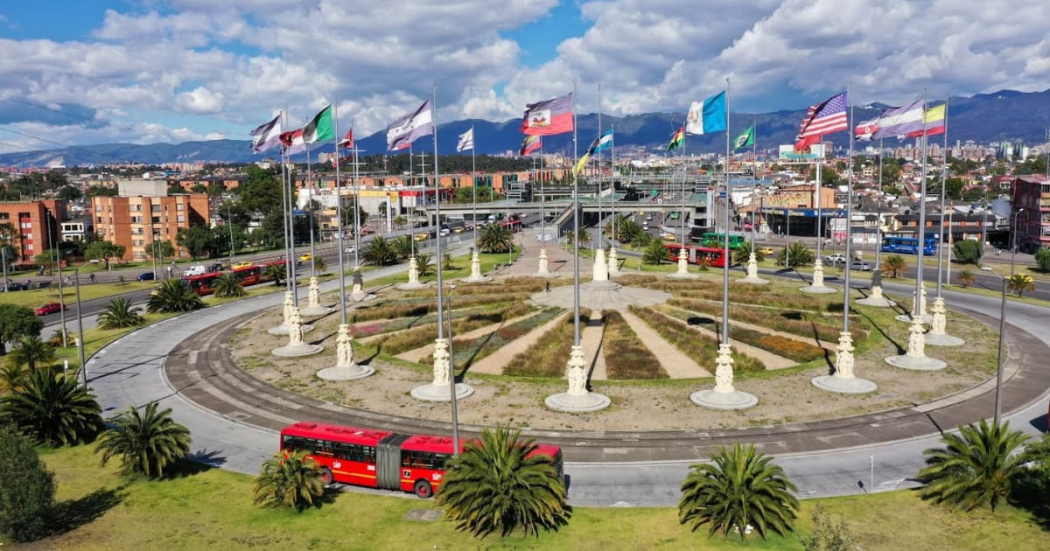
[(986, 268), (834, 259), (860, 265)]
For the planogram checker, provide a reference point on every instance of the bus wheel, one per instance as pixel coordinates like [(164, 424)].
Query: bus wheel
[(326, 476), (423, 489)]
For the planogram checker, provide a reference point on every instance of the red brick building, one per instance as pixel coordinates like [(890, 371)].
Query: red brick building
[(136, 222), (1031, 193), (31, 228)]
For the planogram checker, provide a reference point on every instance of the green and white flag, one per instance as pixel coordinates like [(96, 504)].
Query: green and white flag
[(320, 128), (745, 139)]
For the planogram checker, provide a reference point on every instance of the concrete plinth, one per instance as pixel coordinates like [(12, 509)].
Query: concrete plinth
[(842, 385), (475, 270), (906, 318), (752, 272), (724, 400), (876, 298), (315, 310), (683, 268), (943, 340), (441, 393), (913, 363), (818, 290), (412, 286), (600, 271), (613, 262), (346, 372), (571, 403), (294, 351), (284, 328)]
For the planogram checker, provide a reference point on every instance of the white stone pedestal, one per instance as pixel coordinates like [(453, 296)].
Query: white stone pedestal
[(313, 302), (937, 335), (683, 267), (614, 263), (439, 390), (345, 369), (876, 299), (578, 399), (284, 328), (542, 271), (601, 269), (818, 287), (475, 270), (296, 346), (413, 278), (843, 380), (915, 359), (724, 396), (752, 271)]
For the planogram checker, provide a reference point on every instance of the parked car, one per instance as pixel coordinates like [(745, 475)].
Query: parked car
[(766, 250), (146, 276), (350, 249), (305, 257), (242, 265), (194, 271), (860, 265), (834, 259), (49, 308)]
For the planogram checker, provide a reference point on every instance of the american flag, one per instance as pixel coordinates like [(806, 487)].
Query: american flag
[(826, 117)]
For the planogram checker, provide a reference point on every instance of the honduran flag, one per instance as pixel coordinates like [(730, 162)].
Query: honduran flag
[(546, 118), (267, 135)]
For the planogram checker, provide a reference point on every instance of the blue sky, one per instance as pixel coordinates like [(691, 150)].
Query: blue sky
[(145, 71)]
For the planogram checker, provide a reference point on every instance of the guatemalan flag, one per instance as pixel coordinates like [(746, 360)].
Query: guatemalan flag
[(707, 117)]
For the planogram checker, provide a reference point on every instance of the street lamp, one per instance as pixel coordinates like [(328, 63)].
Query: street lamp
[(999, 359), (80, 327), (1013, 238)]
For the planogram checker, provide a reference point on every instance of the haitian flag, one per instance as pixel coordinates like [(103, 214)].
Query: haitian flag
[(547, 118)]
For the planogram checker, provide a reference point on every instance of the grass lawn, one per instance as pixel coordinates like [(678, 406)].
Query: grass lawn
[(212, 508), (37, 297), (460, 268)]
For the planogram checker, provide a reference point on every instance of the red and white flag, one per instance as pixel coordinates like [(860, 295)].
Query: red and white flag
[(348, 140)]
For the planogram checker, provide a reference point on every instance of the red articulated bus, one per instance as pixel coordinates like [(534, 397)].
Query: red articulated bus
[(203, 284), (248, 275), (381, 459), (512, 224), (697, 253)]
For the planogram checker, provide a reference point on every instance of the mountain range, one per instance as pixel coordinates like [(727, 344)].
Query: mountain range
[(1004, 115)]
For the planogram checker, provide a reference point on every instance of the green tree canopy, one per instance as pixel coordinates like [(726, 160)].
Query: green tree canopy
[(967, 251), (17, 322)]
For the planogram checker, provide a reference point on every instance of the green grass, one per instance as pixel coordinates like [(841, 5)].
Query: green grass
[(211, 508), (460, 268), (38, 297)]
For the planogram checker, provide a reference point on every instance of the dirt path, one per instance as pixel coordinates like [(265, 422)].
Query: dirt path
[(420, 353), (675, 363), (493, 364)]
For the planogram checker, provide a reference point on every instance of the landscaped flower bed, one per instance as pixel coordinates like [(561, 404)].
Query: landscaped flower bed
[(469, 351), (421, 336), (422, 308), (550, 355), (701, 348), (625, 355), (789, 348), (804, 324)]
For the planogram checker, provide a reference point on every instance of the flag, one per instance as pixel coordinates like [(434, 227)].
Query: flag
[(605, 142), (707, 117), (320, 128), (267, 136), (934, 122), (745, 139), (530, 145), (547, 118), (405, 130), (582, 162), (865, 130), (900, 121), (678, 139), (466, 141), (293, 142), (348, 140), (826, 117)]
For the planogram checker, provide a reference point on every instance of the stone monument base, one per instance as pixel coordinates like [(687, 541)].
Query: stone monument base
[(842, 385), (440, 393), (570, 403), (943, 340), (926, 318), (315, 310), (297, 350), (905, 361), (878, 302), (724, 400), (818, 289), (754, 281), (411, 286), (686, 275), (479, 279), (345, 373), (283, 329)]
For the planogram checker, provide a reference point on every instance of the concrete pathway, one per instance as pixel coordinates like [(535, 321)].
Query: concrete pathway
[(493, 364), (674, 361), (420, 353), (591, 342)]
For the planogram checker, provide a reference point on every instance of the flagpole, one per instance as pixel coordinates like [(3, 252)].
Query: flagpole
[(357, 210), (598, 162), (543, 214), (878, 215), (681, 213), (575, 227), (313, 191), (411, 179), (339, 216), (473, 187), (284, 210), (921, 230), (944, 187), (754, 177), (849, 213), (726, 260)]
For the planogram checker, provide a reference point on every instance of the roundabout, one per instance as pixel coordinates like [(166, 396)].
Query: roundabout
[(188, 364)]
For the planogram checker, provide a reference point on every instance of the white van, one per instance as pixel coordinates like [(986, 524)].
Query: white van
[(194, 271)]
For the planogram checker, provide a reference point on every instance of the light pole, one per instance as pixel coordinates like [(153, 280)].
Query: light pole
[(80, 328), (999, 360), (1013, 239), (62, 302)]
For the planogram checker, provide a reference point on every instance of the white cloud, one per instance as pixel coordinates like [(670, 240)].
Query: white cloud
[(200, 101)]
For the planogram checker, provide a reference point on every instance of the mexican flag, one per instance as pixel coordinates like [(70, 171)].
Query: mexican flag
[(320, 128)]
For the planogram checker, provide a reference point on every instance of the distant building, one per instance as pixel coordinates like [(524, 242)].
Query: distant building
[(135, 222), (33, 226), (145, 188), (1031, 193), (76, 229)]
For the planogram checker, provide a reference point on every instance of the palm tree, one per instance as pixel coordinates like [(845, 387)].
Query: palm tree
[(52, 409), (796, 254), (289, 479), (32, 351), (276, 272), (743, 253), (975, 466), (628, 231), (966, 278), (655, 253), (399, 221), (740, 487), (12, 375), (494, 238), (227, 286), (174, 295), (1019, 283), (320, 266), (402, 246), (146, 442), (119, 314), (893, 264), (499, 484), (379, 253), (424, 264)]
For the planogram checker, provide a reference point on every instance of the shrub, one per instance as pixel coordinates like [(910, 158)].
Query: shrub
[(1042, 259), (27, 489), (625, 355), (967, 251), (701, 348), (549, 355)]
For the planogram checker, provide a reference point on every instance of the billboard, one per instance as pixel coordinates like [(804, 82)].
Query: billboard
[(787, 153)]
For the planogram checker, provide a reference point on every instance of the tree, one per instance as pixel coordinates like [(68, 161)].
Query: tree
[(829, 534), (585, 238), (655, 253), (740, 487), (967, 251), (119, 314), (1031, 485), (197, 240), (399, 221), (160, 249), (49, 257), (795, 255), (227, 285), (174, 295), (500, 485), (892, 265), (17, 322), (289, 479), (424, 264), (402, 246), (320, 266), (276, 272), (743, 253), (146, 443), (1042, 259), (104, 250), (215, 188), (1019, 283), (27, 490), (966, 278), (52, 409), (379, 253), (975, 466), (69, 193), (103, 191), (494, 238), (31, 351)]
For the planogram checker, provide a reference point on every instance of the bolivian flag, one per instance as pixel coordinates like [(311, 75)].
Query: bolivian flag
[(678, 140)]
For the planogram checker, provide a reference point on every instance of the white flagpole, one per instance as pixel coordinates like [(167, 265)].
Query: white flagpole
[(313, 194), (944, 187), (357, 212), (473, 185), (575, 226), (598, 162), (412, 222), (849, 215), (921, 229), (726, 261), (339, 217)]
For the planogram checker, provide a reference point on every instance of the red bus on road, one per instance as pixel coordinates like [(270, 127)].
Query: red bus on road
[(203, 284), (381, 459), (697, 253), (248, 275), (512, 224)]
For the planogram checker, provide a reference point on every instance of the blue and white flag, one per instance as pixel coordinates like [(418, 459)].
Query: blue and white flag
[(707, 117), (405, 130), (604, 142), (466, 141), (267, 136)]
